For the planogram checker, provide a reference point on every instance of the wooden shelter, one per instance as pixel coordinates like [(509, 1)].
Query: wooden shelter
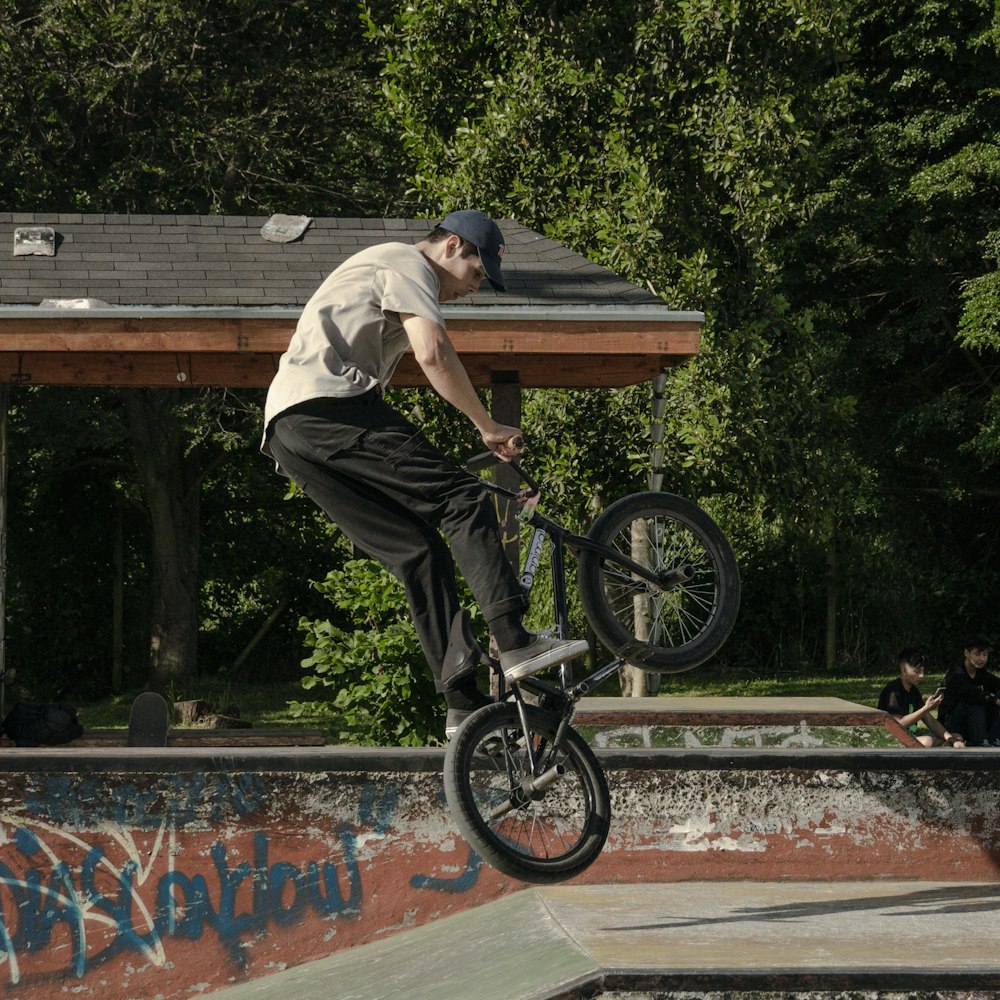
[(192, 301), (209, 301)]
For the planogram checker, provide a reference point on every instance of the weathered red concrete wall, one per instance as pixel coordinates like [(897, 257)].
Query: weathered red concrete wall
[(167, 873), (804, 825)]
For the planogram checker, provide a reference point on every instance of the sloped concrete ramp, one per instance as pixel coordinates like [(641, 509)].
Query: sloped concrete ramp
[(563, 942)]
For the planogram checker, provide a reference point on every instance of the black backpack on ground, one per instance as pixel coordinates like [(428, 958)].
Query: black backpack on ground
[(31, 725)]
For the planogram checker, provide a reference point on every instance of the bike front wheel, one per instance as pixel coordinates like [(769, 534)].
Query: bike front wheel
[(542, 824), (685, 617)]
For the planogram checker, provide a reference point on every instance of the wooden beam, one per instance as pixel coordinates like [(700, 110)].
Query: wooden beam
[(268, 336), (248, 370)]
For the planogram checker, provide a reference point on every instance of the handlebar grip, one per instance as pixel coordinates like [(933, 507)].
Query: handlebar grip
[(487, 459)]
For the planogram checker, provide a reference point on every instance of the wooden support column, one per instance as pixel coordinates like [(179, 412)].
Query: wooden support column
[(4, 458), (505, 408)]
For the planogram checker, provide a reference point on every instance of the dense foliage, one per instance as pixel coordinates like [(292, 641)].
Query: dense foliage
[(201, 106), (819, 178)]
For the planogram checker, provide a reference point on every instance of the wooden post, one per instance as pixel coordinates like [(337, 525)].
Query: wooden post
[(505, 408), (4, 405), (118, 596)]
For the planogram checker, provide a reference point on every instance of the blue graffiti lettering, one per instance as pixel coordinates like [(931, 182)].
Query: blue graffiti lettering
[(462, 882), (280, 894), (181, 918), (327, 898), (174, 800)]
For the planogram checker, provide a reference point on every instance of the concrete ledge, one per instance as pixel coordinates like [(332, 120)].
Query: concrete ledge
[(751, 708), (386, 760), (572, 941), (191, 737)]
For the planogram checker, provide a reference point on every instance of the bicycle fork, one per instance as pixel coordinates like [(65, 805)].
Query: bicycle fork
[(532, 787)]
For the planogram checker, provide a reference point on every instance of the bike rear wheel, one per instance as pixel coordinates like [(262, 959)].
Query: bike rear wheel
[(538, 835), (667, 627)]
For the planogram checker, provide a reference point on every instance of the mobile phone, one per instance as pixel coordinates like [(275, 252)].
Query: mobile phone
[(939, 691)]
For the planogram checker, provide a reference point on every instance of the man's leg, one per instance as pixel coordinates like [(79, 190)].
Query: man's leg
[(408, 547), (970, 721), (455, 502), (406, 482), (993, 726)]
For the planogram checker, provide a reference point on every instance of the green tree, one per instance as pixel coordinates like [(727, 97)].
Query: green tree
[(895, 260), (161, 106), (669, 143), (100, 494), (120, 106)]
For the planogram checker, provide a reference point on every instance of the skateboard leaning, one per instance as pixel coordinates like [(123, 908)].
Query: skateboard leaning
[(148, 721)]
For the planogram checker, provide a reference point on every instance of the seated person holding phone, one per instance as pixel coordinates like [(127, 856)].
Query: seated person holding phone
[(901, 698), (971, 696)]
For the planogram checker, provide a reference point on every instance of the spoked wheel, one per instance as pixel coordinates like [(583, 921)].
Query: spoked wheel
[(683, 618), (542, 825)]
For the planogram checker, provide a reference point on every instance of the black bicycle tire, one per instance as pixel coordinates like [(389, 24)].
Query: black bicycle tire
[(608, 627), (460, 765)]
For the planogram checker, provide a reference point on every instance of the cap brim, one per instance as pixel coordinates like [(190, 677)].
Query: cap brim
[(491, 265)]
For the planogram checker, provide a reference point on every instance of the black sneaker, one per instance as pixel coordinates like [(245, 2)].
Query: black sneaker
[(463, 654), (456, 716), (540, 653)]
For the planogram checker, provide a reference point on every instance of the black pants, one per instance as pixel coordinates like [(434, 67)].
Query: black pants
[(378, 478), (977, 723)]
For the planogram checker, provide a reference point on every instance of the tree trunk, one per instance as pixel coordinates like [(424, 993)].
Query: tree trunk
[(171, 482), (636, 682), (832, 600)]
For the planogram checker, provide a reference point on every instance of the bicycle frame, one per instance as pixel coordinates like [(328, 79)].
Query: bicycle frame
[(559, 539)]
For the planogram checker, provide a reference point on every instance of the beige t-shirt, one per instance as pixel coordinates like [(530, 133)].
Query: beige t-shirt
[(349, 338)]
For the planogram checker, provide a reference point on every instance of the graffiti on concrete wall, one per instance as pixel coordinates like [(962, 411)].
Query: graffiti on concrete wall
[(91, 870), (802, 735)]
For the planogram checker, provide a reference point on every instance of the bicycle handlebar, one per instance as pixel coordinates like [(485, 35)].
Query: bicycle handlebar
[(489, 460)]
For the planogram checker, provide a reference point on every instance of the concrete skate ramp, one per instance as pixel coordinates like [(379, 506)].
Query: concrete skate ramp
[(580, 941), (172, 872)]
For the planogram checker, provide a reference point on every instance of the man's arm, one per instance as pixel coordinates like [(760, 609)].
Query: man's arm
[(991, 683), (923, 712), (938, 730), (440, 362), (961, 687)]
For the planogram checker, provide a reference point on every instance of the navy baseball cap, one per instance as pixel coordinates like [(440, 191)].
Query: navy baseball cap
[(484, 233)]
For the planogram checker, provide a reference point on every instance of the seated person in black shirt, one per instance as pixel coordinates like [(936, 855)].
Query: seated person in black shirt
[(901, 698), (970, 697)]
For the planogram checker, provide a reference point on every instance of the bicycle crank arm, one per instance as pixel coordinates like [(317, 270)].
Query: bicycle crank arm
[(530, 788)]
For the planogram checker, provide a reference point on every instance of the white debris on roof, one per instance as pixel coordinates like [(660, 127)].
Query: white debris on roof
[(39, 241), (73, 304), (285, 228)]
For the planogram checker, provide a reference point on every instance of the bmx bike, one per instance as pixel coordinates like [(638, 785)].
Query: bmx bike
[(659, 586)]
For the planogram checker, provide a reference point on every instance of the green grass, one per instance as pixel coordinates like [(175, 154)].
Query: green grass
[(266, 705), (263, 705), (860, 690)]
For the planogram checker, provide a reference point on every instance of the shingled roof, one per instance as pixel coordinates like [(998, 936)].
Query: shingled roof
[(206, 300), (201, 260)]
